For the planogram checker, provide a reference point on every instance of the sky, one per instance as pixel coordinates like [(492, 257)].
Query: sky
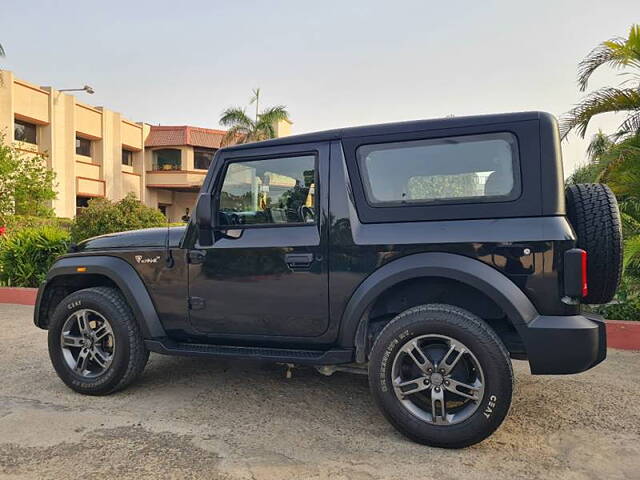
[(332, 63)]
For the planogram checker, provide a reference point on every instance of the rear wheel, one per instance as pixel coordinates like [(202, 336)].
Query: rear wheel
[(441, 376), (95, 344)]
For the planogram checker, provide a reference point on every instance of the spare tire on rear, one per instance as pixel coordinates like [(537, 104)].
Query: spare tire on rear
[(592, 209)]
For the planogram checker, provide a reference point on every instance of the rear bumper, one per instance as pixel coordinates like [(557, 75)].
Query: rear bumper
[(565, 344)]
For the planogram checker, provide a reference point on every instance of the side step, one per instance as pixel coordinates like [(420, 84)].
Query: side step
[(309, 357)]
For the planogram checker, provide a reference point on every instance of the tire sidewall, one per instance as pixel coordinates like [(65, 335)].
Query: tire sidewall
[(92, 301), (498, 379)]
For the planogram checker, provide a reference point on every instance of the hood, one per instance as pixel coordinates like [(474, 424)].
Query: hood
[(145, 238)]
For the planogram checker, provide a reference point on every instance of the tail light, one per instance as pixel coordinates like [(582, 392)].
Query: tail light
[(575, 273), (585, 285)]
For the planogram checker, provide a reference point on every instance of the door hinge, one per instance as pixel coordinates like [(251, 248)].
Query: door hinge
[(196, 303)]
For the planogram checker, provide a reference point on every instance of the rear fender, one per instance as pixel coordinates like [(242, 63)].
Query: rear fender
[(513, 302)]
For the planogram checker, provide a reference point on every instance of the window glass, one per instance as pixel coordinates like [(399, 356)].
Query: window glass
[(475, 167), (273, 191), (81, 204), (167, 159), (83, 146), (202, 158), (127, 157), (25, 132)]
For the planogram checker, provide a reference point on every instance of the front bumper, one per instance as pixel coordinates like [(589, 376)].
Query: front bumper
[(565, 344)]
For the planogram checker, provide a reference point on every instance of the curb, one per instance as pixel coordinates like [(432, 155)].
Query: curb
[(20, 296), (621, 334)]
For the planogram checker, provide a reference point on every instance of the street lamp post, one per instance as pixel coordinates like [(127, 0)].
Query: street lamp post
[(86, 88)]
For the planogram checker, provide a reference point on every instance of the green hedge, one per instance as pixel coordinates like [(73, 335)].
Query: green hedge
[(16, 223), (26, 255), (628, 310), (103, 216)]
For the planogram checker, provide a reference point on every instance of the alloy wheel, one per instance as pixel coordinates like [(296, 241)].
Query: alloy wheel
[(438, 379), (88, 343)]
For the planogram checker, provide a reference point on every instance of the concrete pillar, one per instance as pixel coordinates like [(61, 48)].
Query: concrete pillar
[(6, 105)]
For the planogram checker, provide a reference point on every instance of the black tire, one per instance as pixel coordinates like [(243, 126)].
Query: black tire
[(593, 212), (129, 355), (479, 338)]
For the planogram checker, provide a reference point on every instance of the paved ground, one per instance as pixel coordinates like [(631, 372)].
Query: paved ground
[(189, 418)]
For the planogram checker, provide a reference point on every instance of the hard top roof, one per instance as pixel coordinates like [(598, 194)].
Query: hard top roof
[(397, 127)]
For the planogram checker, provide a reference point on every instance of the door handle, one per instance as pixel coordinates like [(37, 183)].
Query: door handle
[(298, 260)]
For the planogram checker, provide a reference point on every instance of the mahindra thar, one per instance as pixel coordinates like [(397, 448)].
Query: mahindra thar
[(427, 254)]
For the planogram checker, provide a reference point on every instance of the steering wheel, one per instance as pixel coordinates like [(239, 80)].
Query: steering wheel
[(306, 214)]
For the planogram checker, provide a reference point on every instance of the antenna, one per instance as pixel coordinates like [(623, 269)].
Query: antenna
[(169, 261)]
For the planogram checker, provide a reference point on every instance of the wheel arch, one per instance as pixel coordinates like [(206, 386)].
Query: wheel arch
[(518, 309), (100, 270)]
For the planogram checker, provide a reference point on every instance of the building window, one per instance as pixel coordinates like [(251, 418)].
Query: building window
[(167, 159), (81, 204), (127, 157), (202, 158), (83, 146), (163, 210), (25, 132)]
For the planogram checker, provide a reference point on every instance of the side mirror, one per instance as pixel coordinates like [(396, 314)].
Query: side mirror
[(205, 218)]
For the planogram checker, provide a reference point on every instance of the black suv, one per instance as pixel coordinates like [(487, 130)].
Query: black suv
[(428, 252)]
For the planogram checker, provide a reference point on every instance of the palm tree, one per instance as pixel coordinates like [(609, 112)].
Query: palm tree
[(244, 129), (599, 145), (617, 53)]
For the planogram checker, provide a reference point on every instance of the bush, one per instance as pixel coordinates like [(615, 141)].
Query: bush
[(103, 216), (628, 310), (27, 255), (626, 303), (16, 223)]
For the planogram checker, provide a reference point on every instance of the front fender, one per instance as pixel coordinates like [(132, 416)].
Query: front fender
[(120, 273), (518, 308)]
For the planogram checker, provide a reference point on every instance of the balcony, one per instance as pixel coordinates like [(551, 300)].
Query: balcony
[(190, 180)]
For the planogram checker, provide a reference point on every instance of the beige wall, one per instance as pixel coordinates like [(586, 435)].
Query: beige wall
[(31, 102), (59, 118), (283, 128), (177, 203)]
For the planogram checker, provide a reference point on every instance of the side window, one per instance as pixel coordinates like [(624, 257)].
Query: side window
[(445, 170), (269, 191)]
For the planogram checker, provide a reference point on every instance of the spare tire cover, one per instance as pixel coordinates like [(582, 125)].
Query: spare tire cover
[(592, 209)]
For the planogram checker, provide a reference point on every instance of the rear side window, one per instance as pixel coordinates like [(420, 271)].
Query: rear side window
[(445, 170)]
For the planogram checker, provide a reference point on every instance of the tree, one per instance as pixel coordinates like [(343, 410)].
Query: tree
[(26, 184), (617, 53), (598, 155), (104, 216), (244, 129)]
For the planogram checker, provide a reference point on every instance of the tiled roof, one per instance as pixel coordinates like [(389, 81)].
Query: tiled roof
[(161, 136)]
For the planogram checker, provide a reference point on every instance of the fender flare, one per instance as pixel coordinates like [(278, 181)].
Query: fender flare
[(123, 275), (518, 308)]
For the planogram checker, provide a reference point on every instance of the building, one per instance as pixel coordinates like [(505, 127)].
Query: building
[(96, 152), (176, 161)]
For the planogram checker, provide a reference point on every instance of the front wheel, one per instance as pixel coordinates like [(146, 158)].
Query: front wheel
[(441, 376), (95, 344)]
